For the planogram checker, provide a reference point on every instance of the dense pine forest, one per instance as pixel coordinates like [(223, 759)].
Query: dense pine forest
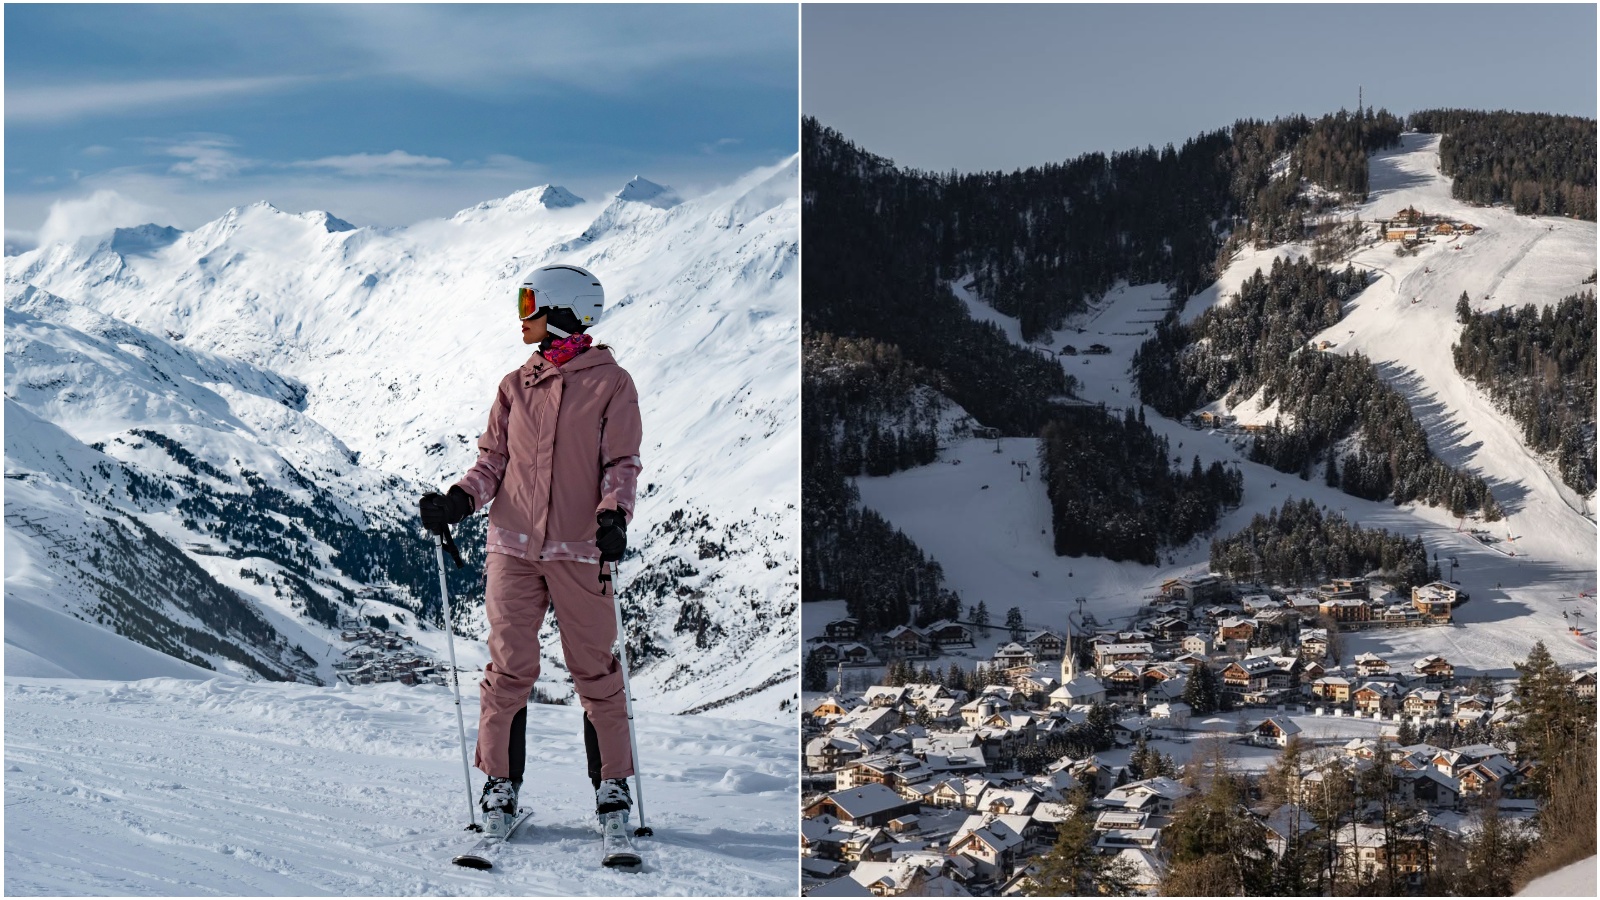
[(1093, 472), (1539, 163), (1300, 544), (1539, 366), (1259, 342)]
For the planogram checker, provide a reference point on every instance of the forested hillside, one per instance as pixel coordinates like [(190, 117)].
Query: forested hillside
[(1539, 163), (1539, 366), (1259, 342)]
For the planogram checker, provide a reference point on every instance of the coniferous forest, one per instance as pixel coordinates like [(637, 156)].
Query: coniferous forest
[(1259, 341), (1539, 367), (1300, 543), (1539, 163)]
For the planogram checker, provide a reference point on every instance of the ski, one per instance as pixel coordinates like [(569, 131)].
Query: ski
[(480, 855), (617, 848)]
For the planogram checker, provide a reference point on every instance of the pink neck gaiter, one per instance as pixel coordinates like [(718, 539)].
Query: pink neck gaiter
[(563, 349)]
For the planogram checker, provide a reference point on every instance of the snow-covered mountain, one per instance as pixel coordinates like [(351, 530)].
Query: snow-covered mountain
[(1536, 585), (257, 404)]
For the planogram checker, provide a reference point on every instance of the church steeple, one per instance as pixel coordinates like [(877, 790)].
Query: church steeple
[(1069, 660)]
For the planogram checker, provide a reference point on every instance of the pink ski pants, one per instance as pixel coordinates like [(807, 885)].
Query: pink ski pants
[(516, 597)]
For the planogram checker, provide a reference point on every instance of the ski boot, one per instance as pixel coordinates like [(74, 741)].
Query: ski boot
[(499, 804), (612, 805)]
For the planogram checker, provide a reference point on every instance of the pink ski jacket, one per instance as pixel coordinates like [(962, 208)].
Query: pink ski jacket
[(562, 444)]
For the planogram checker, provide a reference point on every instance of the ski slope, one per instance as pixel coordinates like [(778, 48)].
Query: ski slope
[(988, 524), (172, 787)]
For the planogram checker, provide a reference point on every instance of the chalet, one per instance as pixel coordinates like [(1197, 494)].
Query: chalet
[(1126, 680), (1098, 349), (1467, 228), (868, 805), (1434, 669), (856, 655), (905, 640), (1013, 655), (1583, 684), (1370, 664), (1108, 655), (1198, 644), (1170, 629), (1311, 671), (878, 720), (1275, 732), (982, 709), (1334, 688), (1236, 629), (1154, 796), (993, 849), (883, 695), (1400, 614), (1193, 589), (1479, 777), (832, 751), (945, 633), (1314, 643), (1408, 216), (1257, 673), (1444, 228), (1400, 234), (1433, 788), (1045, 645), (1434, 600), (842, 630), (1423, 702), (1375, 697), (832, 705)]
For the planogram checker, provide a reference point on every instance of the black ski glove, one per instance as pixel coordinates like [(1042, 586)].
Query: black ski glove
[(440, 511), (612, 535)]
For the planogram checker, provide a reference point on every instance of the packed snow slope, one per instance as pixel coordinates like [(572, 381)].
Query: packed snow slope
[(987, 521), (310, 380), (173, 787)]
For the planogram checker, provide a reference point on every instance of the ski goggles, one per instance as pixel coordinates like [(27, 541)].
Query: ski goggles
[(528, 305)]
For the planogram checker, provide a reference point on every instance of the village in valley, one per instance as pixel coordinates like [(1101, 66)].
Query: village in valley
[(964, 779), (374, 655)]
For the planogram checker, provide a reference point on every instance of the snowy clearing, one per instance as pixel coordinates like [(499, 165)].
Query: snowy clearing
[(168, 787)]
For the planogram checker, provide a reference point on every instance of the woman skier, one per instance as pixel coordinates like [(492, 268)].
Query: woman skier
[(560, 458)]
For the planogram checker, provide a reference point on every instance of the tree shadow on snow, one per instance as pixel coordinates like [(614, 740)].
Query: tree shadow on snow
[(1447, 435)]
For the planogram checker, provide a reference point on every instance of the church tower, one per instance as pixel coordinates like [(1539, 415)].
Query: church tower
[(1069, 659)]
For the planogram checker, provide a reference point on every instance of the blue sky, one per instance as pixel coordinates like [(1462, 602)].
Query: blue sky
[(381, 114), (1000, 87)]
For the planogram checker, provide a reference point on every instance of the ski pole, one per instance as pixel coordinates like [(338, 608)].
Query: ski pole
[(455, 678), (627, 695)]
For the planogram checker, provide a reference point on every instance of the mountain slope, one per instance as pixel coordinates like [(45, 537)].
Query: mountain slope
[(1516, 599), (172, 787), (375, 353)]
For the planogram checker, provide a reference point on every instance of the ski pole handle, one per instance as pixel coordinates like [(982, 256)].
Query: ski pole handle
[(449, 545)]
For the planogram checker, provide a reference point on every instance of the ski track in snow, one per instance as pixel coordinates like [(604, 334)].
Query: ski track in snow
[(177, 787), (1516, 600)]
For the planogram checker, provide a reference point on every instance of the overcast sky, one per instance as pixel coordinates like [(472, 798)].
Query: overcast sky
[(1000, 87), (380, 114)]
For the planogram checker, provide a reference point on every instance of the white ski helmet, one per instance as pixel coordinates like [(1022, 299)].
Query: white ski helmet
[(562, 287)]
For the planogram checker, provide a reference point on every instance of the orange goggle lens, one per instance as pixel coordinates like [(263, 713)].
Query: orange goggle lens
[(527, 303)]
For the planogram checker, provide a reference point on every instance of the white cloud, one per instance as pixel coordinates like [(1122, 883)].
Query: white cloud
[(97, 213), (719, 144), (59, 103), (395, 161), (206, 159)]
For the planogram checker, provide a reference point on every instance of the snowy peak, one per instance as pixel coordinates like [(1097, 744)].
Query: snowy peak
[(545, 196), (643, 190)]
